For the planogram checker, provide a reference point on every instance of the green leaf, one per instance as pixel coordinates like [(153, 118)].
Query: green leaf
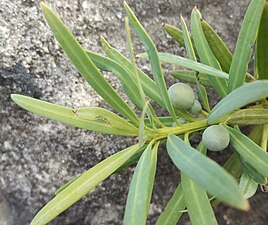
[(172, 211), (203, 96), (247, 186), (141, 187), (242, 96), (153, 57), (262, 45), (217, 46), (205, 54), (175, 33), (250, 152), (187, 63), (205, 172), (252, 173), (66, 184), (128, 82), (191, 55), (148, 85), (245, 42), (82, 185), (190, 76), (197, 202), (90, 118), (85, 66), (233, 166), (249, 117)]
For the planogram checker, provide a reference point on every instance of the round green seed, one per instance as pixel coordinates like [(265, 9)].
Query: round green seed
[(216, 138), (182, 96), (196, 108)]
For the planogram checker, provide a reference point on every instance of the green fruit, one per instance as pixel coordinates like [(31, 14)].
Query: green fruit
[(196, 108), (181, 96), (216, 138)]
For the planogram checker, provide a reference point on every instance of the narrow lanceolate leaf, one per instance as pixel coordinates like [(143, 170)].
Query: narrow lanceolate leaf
[(85, 66), (247, 186), (141, 187), (148, 85), (191, 55), (245, 42), (190, 76), (262, 45), (153, 57), (90, 118), (242, 96), (249, 117), (217, 46), (205, 54), (128, 82), (197, 202), (190, 64), (204, 171), (175, 33), (82, 185), (173, 210), (250, 152)]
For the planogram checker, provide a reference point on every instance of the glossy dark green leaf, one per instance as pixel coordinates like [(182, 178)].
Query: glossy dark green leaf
[(250, 152), (128, 82), (245, 42), (153, 58), (141, 187), (218, 47), (262, 45), (205, 54), (249, 117), (90, 118), (175, 33), (190, 76), (187, 63), (205, 172), (148, 85), (82, 185), (85, 66), (242, 96), (173, 210)]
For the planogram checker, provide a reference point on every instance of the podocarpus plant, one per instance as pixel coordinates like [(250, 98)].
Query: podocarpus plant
[(209, 64)]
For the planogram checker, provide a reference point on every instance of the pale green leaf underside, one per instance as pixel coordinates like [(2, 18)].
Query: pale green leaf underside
[(141, 187), (190, 76), (85, 66), (205, 172), (242, 96), (82, 185), (247, 186), (90, 118), (197, 202), (187, 63)]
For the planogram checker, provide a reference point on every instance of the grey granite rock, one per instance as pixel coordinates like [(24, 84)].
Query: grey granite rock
[(37, 155)]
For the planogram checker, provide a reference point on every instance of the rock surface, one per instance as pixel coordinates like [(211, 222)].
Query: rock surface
[(37, 155)]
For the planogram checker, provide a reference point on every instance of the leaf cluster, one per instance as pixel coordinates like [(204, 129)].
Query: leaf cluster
[(209, 64)]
